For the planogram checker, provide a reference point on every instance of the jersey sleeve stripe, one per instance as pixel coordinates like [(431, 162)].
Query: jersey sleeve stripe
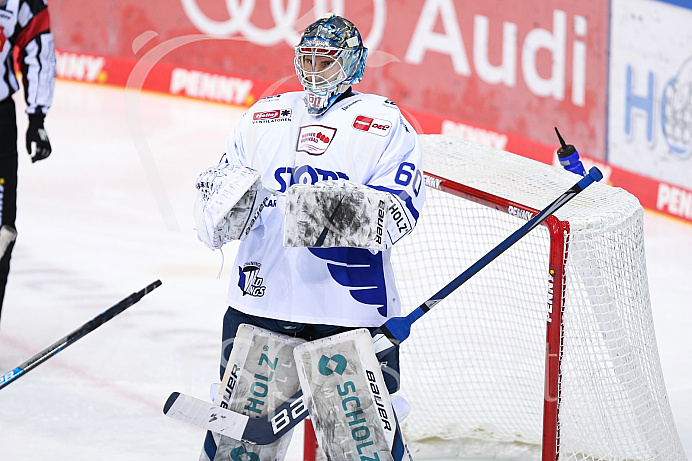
[(38, 25)]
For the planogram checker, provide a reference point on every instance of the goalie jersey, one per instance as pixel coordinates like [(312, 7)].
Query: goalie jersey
[(362, 138)]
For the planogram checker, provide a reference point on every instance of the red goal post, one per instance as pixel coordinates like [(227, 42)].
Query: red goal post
[(547, 353), (558, 231)]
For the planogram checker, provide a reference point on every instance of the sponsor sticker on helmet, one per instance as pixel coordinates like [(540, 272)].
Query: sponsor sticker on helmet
[(372, 125), (314, 139)]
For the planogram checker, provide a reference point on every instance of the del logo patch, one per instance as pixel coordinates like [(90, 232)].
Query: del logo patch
[(372, 125), (314, 139)]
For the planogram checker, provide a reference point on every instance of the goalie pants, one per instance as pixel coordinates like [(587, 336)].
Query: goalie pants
[(234, 318), (8, 181)]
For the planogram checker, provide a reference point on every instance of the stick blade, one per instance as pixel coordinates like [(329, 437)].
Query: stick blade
[(205, 415)]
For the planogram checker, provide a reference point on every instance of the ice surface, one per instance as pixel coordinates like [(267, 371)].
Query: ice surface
[(111, 211)]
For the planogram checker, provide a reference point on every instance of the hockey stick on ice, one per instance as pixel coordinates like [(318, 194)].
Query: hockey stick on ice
[(393, 331), (77, 334)]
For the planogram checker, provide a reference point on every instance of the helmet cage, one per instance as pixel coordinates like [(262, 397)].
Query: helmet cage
[(326, 84), (335, 38), (320, 80)]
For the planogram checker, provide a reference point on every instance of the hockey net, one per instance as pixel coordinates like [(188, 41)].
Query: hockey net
[(547, 353)]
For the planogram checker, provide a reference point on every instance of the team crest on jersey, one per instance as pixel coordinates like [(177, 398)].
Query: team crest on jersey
[(270, 116), (249, 281), (372, 125), (314, 139)]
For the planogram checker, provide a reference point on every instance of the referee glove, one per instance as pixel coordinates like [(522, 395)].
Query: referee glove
[(37, 143)]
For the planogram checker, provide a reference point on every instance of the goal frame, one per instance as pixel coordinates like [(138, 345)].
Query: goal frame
[(559, 242), (594, 389)]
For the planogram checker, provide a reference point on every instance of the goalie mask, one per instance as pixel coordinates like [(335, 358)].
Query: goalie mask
[(328, 60)]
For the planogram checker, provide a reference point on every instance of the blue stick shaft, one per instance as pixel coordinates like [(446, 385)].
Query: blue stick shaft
[(398, 329)]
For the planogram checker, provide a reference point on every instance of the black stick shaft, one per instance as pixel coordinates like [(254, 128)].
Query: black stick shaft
[(77, 334)]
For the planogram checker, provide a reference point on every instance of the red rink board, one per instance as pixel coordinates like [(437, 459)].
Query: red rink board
[(502, 76), (516, 70)]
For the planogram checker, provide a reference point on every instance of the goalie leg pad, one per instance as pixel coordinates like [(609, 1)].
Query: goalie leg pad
[(259, 377), (347, 399)]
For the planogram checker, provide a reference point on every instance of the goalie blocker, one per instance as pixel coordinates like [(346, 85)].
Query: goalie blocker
[(341, 213)]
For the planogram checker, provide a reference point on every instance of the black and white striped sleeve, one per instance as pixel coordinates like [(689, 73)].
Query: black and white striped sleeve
[(36, 55)]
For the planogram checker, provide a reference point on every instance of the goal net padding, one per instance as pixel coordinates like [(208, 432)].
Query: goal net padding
[(547, 353)]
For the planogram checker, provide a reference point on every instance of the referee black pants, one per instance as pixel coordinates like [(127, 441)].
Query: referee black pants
[(8, 181)]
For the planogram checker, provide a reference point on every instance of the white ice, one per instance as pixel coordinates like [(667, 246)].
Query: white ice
[(110, 212)]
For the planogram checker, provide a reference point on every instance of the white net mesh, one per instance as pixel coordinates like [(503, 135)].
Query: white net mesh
[(474, 367)]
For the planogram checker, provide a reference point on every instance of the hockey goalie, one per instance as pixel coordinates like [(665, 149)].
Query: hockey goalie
[(317, 186)]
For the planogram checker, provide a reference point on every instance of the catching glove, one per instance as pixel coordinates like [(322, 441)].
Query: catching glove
[(36, 134)]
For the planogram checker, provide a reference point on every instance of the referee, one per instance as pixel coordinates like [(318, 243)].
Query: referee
[(24, 32)]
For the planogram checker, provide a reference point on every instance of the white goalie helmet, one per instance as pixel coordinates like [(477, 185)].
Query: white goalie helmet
[(328, 60)]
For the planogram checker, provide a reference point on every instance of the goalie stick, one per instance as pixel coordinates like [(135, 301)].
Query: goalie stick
[(323, 235), (391, 333), (77, 334), (259, 431), (221, 420), (398, 329)]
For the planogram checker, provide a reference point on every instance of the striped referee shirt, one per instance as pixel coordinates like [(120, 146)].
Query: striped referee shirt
[(25, 32)]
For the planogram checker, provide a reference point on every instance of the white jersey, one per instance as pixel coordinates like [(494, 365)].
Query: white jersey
[(362, 138)]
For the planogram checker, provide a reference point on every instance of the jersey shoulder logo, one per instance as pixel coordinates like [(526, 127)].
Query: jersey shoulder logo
[(249, 281), (314, 139), (372, 125)]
